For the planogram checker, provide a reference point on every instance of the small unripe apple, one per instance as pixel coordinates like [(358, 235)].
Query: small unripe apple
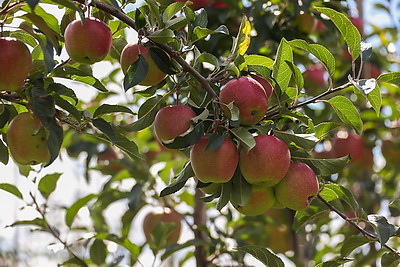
[(314, 79), (197, 4), (27, 140), (248, 96), (15, 64), (215, 166), (296, 190), (88, 42), (267, 162), (166, 216), (131, 53), (269, 90), (172, 121), (262, 198)]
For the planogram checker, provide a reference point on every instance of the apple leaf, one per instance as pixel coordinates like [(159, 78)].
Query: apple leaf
[(126, 145), (105, 128), (244, 136), (73, 210), (318, 51), (313, 211), (48, 184), (375, 99), (349, 32), (135, 197), (225, 195), (12, 189), (159, 235), (347, 112), (334, 263), (67, 106), (325, 127), (106, 109), (179, 181), (162, 36), (345, 194), (392, 78), (36, 222), (243, 37), (62, 90), (200, 32), (383, 228), (98, 252), (281, 70), (188, 139), (352, 243), (257, 60), (136, 73), (71, 5), (162, 60), (124, 242), (390, 260), (306, 141), (173, 248), (171, 10), (327, 167), (241, 189), (215, 141), (263, 254), (298, 76), (4, 157), (209, 58)]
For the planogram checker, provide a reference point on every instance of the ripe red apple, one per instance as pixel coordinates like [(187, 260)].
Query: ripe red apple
[(15, 64), (248, 96), (262, 198), (131, 53), (267, 162), (314, 79), (197, 4), (88, 42), (172, 121), (27, 140), (371, 70), (166, 216), (296, 190), (358, 22), (269, 90), (306, 23), (220, 4), (215, 166)]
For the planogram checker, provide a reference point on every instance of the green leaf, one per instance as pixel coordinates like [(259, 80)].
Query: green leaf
[(241, 189), (37, 222), (344, 194), (264, 255), (324, 128), (107, 109), (162, 36), (171, 10), (98, 252), (257, 60), (179, 181), (71, 5), (306, 141), (244, 136), (298, 75), (188, 139), (347, 112), (375, 99), (209, 58), (79, 75), (135, 197), (392, 78), (4, 157), (136, 73), (72, 211), (346, 28), (313, 211), (124, 242), (327, 167), (105, 128), (162, 60), (67, 106), (173, 248), (334, 263), (225, 195), (352, 243), (214, 141), (390, 260), (62, 90), (281, 70), (126, 145), (48, 184), (384, 229), (318, 51), (12, 189)]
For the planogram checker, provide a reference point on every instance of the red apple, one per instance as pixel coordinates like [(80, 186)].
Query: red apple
[(267, 162), (197, 4), (371, 70), (296, 190), (314, 79), (269, 90), (88, 42), (358, 22), (248, 96), (172, 121), (15, 64), (306, 23), (220, 4), (262, 198), (215, 166), (131, 53)]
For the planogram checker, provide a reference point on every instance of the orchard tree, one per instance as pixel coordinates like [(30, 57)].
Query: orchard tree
[(258, 125)]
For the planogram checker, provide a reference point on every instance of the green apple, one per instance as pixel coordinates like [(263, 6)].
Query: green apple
[(131, 53), (262, 198), (298, 187), (248, 96), (267, 162), (88, 42), (172, 121), (27, 140), (15, 64), (215, 166)]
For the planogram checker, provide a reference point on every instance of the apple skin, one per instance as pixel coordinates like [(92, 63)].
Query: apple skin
[(262, 198), (166, 216), (89, 42), (314, 80), (299, 184), (172, 121), (215, 166), (307, 23), (371, 70), (219, 4), (269, 90), (248, 96), (358, 23), (131, 53), (15, 64), (27, 140), (197, 4), (267, 162)]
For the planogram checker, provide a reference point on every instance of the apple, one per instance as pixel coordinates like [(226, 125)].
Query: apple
[(88, 42), (172, 121), (166, 216), (15, 64), (197, 4), (314, 79), (358, 23), (27, 140), (215, 166), (371, 70), (262, 198), (267, 162), (131, 53), (265, 84), (219, 4), (248, 96), (297, 188), (307, 23)]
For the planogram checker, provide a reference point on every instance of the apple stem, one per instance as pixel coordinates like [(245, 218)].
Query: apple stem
[(365, 233)]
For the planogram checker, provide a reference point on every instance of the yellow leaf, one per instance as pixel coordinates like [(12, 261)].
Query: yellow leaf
[(244, 36)]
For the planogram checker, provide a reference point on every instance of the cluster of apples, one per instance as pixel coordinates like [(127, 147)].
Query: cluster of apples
[(275, 180)]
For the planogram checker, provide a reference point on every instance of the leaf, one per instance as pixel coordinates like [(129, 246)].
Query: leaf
[(390, 260), (54, 140), (264, 255), (162, 60), (344, 194), (37, 222), (375, 99), (173, 248), (72, 211), (306, 141), (126, 145), (48, 184), (241, 189), (171, 10), (327, 167), (179, 181), (365, 86), (313, 211), (135, 197), (4, 157), (79, 75), (67, 106), (188, 139), (159, 235), (245, 137), (281, 70), (214, 141), (346, 28), (324, 128), (124, 242), (107, 109), (392, 78), (257, 60), (98, 252), (334, 263), (347, 112), (381, 225), (352, 243), (105, 128), (243, 38), (225, 195), (136, 73), (162, 36), (319, 51), (12, 189), (298, 76)]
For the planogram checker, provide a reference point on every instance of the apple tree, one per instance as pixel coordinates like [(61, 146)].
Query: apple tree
[(264, 128)]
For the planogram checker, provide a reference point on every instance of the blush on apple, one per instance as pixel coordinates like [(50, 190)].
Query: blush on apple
[(314, 79), (269, 90), (197, 4)]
